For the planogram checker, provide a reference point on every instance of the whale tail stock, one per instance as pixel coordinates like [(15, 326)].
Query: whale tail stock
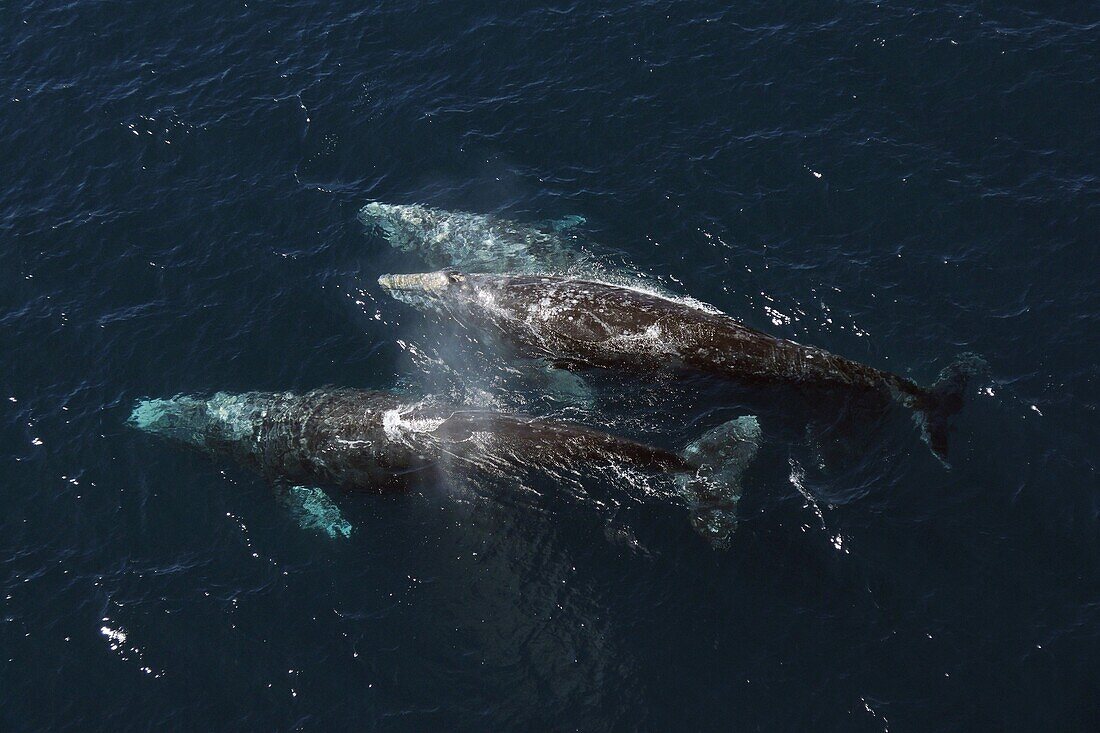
[(937, 404), (719, 457)]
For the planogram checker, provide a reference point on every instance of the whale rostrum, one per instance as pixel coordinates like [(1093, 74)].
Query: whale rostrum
[(379, 441), (590, 323)]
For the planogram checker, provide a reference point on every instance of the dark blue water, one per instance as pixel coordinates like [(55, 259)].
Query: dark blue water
[(894, 182)]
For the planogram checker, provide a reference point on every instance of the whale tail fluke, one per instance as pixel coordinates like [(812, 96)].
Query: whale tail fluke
[(720, 457), (936, 405)]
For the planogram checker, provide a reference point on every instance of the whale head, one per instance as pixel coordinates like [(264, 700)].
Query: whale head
[(404, 226), (211, 423), (181, 419)]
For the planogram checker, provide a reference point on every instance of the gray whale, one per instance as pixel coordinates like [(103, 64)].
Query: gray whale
[(589, 323), (379, 441)]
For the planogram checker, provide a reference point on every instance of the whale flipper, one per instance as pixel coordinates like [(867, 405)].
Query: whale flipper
[(315, 510), (721, 456)]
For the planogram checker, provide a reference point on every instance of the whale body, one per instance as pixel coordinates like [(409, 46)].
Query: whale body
[(379, 441), (589, 323)]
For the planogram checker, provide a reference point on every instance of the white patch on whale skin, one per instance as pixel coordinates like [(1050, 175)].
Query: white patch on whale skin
[(544, 310), (399, 422), (354, 443), (486, 298), (233, 413), (652, 339), (574, 288), (680, 299), (646, 289)]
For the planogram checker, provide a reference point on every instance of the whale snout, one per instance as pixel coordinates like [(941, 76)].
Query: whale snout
[(427, 283), (375, 209), (179, 418), (417, 281), (151, 415), (405, 226), (382, 217)]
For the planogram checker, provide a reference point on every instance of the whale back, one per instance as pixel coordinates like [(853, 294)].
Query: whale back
[(378, 441), (600, 324)]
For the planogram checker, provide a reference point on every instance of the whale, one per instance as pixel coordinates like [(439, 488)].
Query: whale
[(580, 323), (379, 441), (481, 242)]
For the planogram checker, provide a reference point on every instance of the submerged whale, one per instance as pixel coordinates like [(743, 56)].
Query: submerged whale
[(588, 323), (478, 242), (380, 441)]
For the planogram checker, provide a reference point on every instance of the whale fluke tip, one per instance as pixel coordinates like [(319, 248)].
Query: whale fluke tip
[(944, 399), (721, 457)]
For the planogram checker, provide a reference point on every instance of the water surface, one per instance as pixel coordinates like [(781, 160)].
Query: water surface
[(897, 183)]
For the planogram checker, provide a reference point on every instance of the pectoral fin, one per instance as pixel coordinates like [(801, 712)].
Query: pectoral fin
[(315, 510)]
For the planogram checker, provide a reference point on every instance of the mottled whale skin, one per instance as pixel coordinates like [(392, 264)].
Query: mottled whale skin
[(589, 323), (377, 441), (480, 242)]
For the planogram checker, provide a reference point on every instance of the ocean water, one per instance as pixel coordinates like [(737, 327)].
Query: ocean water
[(894, 182)]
